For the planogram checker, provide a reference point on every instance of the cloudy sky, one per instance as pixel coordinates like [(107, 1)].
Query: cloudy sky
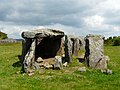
[(77, 17)]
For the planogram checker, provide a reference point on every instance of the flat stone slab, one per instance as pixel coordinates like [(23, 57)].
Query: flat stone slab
[(42, 33)]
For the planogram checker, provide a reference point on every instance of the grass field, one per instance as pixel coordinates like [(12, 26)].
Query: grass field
[(67, 79)]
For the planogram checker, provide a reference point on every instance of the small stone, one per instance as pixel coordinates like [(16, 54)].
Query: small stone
[(30, 74), (39, 60), (82, 69), (103, 70), (106, 71), (65, 64), (109, 71), (18, 72), (58, 62), (47, 65)]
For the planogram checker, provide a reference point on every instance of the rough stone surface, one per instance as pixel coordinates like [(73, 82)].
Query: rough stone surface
[(76, 44), (68, 49), (61, 51), (39, 60), (47, 63), (94, 55), (58, 62), (29, 63), (42, 33), (106, 71), (65, 64), (38, 45)]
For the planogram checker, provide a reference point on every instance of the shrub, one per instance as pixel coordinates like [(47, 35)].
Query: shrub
[(116, 41), (3, 35)]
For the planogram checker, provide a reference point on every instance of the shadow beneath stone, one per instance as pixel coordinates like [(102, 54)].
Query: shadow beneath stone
[(81, 60), (19, 63)]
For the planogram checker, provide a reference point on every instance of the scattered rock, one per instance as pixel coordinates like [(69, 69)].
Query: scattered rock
[(109, 71), (30, 74), (106, 71), (65, 64), (18, 72), (39, 60), (58, 62), (48, 66), (82, 69), (103, 70)]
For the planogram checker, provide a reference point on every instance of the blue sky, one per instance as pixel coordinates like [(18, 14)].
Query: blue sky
[(77, 17)]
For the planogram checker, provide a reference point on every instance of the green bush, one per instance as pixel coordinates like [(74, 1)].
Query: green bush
[(116, 42), (3, 35)]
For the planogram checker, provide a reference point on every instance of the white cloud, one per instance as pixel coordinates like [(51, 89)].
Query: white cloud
[(79, 17), (94, 21)]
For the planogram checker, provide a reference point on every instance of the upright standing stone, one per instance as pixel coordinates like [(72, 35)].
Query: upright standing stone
[(26, 43), (68, 49), (76, 44), (29, 62), (94, 55)]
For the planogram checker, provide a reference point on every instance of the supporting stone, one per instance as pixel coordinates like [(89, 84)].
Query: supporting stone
[(76, 44), (94, 55), (26, 43), (68, 49), (61, 51), (29, 62)]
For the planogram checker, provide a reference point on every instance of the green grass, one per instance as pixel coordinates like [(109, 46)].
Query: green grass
[(67, 79)]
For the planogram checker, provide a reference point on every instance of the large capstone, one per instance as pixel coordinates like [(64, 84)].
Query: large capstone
[(94, 55), (44, 43)]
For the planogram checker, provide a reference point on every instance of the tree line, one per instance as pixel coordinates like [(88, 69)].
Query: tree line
[(114, 41)]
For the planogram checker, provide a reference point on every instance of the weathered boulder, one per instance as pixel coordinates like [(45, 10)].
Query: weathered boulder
[(94, 55), (58, 62)]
